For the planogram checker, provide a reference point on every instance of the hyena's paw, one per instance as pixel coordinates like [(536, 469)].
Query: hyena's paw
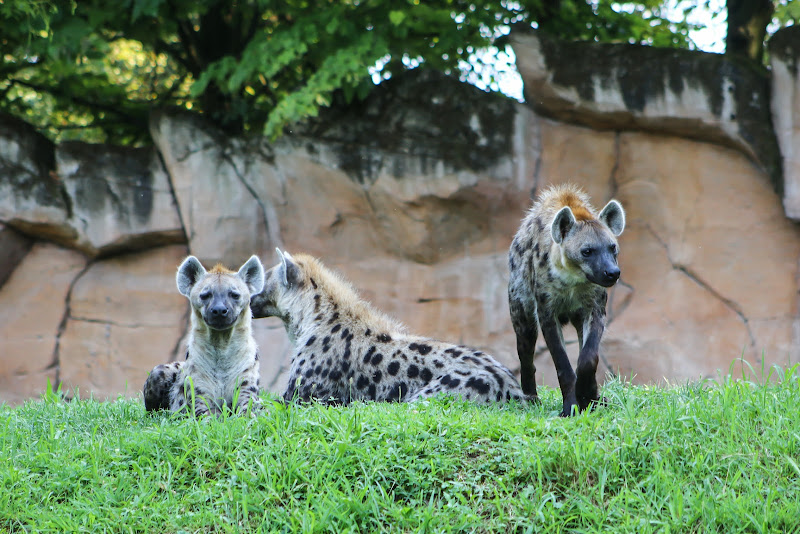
[(157, 387), (201, 406), (586, 391), (569, 410), (189, 401), (602, 402), (590, 403), (251, 406), (533, 399)]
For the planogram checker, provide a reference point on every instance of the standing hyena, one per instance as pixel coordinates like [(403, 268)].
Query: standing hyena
[(562, 259), (346, 350), (222, 358)]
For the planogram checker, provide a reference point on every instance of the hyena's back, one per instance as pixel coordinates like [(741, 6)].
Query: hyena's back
[(345, 350)]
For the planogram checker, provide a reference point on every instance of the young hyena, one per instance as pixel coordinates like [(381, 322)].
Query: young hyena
[(345, 350), (222, 358), (562, 259)]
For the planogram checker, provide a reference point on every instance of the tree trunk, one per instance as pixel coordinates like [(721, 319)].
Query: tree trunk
[(747, 27)]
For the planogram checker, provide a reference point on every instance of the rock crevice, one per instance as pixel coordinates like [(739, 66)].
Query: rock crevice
[(62, 326)]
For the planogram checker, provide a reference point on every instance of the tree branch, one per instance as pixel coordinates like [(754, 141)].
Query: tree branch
[(91, 104)]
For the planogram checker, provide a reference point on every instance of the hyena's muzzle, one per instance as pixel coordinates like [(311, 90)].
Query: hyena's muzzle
[(221, 307)]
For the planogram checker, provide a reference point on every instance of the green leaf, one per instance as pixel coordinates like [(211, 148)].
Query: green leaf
[(147, 8), (397, 17)]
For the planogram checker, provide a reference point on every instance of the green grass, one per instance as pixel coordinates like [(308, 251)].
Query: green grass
[(719, 457)]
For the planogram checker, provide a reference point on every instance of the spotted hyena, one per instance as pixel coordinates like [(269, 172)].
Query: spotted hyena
[(221, 367), (562, 259), (345, 350)]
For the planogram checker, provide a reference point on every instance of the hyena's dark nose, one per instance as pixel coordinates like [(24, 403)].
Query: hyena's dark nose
[(219, 310), (612, 275)]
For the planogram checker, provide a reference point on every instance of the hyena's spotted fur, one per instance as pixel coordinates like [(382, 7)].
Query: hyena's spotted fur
[(221, 367), (562, 259), (345, 350)]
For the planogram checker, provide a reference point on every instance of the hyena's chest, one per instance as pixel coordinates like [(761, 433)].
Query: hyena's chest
[(219, 384), (564, 298)]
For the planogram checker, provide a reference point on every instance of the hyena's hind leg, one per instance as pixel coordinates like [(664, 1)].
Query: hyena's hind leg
[(481, 387), (526, 330), (158, 385)]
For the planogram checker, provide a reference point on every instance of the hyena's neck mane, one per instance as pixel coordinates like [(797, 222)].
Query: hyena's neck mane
[(328, 298)]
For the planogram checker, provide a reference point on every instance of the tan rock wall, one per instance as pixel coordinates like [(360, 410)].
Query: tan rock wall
[(709, 261), (784, 51), (33, 304), (124, 317), (715, 262)]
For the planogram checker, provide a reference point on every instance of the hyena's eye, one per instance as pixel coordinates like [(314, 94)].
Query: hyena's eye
[(235, 295), (613, 249), (205, 295), (586, 252)]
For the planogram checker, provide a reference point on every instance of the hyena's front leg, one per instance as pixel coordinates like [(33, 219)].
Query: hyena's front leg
[(551, 331), (248, 393), (586, 389), (526, 331), (159, 384), (187, 398)]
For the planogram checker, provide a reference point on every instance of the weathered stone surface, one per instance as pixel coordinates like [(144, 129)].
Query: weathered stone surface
[(710, 258), (702, 96), (120, 198), (213, 198), (33, 303), (709, 263), (13, 248), (382, 234), (32, 199), (328, 213), (445, 125), (95, 198), (400, 194), (125, 317), (581, 156), (784, 52)]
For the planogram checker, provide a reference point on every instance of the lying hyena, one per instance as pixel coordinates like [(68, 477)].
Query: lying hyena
[(221, 366), (345, 350), (562, 259)]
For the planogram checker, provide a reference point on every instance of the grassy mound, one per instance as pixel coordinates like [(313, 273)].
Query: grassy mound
[(703, 457)]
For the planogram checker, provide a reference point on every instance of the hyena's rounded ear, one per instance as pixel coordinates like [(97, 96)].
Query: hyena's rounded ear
[(613, 216), (562, 224), (189, 272), (289, 273), (252, 274)]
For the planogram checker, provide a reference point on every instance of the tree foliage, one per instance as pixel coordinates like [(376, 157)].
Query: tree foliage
[(92, 69), (787, 12)]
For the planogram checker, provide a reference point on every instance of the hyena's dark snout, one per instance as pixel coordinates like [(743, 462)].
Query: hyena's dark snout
[(604, 273), (219, 311), (219, 314), (610, 276)]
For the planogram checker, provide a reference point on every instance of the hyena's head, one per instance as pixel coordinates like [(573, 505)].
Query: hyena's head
[(280, 282), (589, 246), (219, 296)]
